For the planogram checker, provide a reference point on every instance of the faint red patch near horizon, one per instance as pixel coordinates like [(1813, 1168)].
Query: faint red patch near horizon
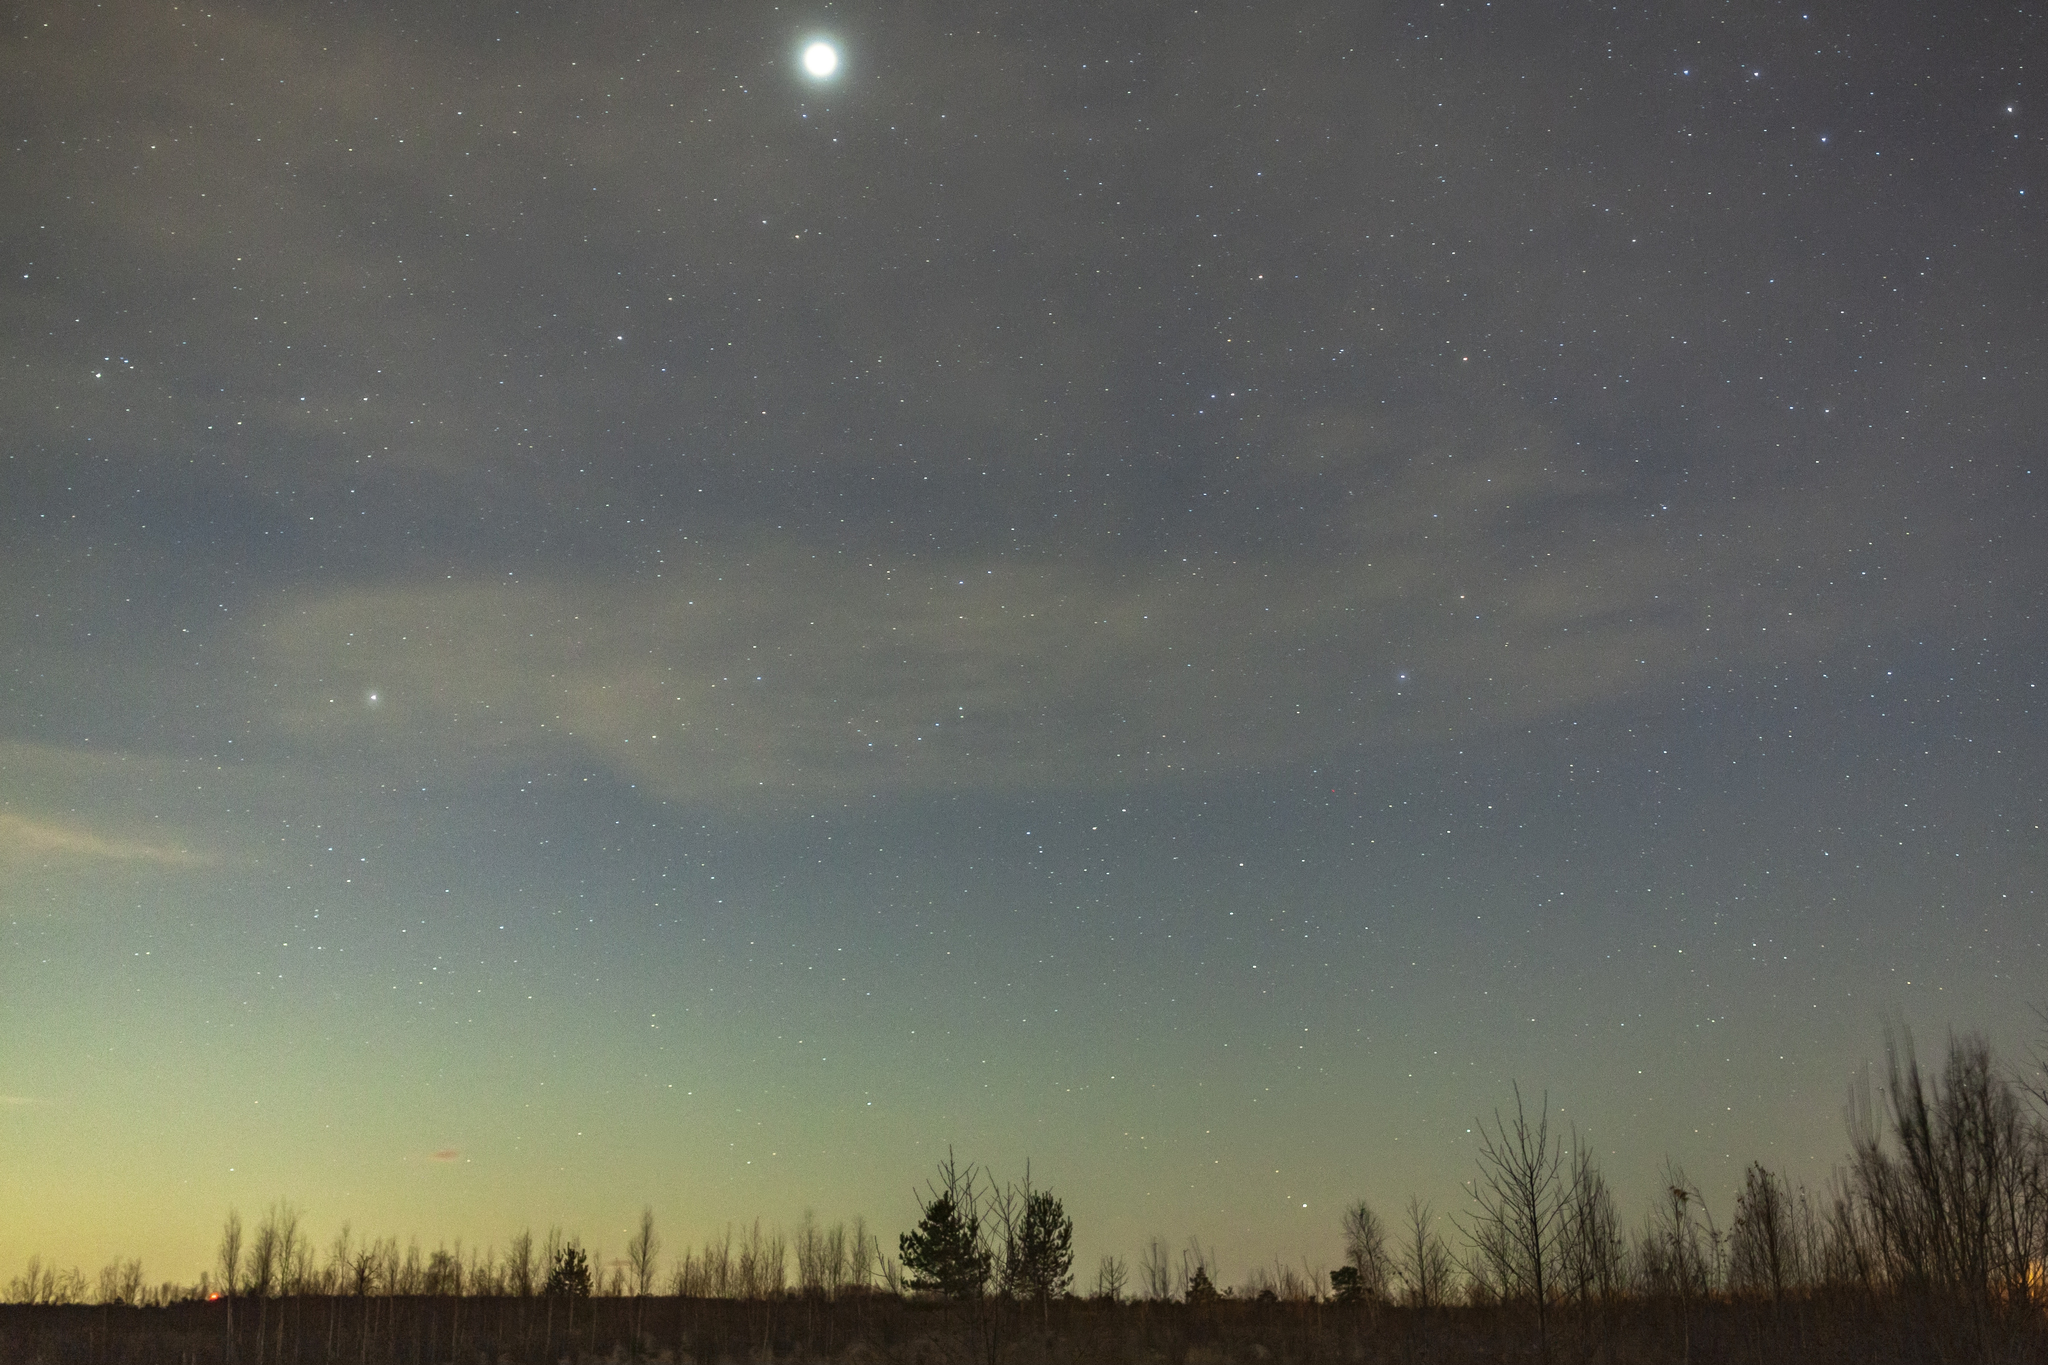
[(446, 1154)]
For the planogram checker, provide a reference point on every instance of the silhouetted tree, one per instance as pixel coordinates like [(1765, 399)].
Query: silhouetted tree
[(1960, 1213), (761, 1268), (1427, 1266), (569, 1276), (262, 1277), (1365, 1253), (1198, 1283), (642, 1252), (1155, 1270), (1764, 1255), (1593, 1253), (1040, 1258), (1516, 1228), (945, 1252), (229, 1257), (1676, 1254), (810, 1255), (43, 1283), (519, 1265), (863, 1255), (832, 1263), (443, 1274)]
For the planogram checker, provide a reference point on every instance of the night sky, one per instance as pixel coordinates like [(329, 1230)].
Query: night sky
[(1186, 594)]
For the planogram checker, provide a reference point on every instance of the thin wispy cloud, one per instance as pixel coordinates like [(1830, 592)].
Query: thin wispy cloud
[(25, 839), (815, 674)]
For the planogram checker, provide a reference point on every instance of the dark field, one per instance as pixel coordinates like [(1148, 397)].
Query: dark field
[(875, 1328)]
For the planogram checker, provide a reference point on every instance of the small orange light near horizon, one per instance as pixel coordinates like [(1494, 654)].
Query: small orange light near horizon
[(211, 1297)]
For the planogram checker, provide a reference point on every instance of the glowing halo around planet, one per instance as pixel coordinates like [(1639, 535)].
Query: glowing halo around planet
[(821, 59)]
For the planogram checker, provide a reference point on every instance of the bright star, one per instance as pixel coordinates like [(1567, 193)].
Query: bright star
[(821, 59)]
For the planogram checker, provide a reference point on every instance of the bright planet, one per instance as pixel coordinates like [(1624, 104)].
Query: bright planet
[(821, 59)]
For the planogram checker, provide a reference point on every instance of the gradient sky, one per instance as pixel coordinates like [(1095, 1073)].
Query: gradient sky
[(1183, 593)]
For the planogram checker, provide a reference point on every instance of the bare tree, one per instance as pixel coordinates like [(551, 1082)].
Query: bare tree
[(1593, 1252), (519, 1268), (763, 1267), (305, 1274), (262, 1277), (643, 1253), (443, 1275), (411, 1273), (1365, 1252), (717, 1263), (1764, 1254), (43, 1283), (27, 1287), (362, 1270), (832, 1261), (1677, 1254), (810, 1246), (486, 1276), (1427, 1267), (1155, 1270), (339, 1252), (1111, 1276), (121, 1282), (1197, 1272), (1286, 1283), (1960, 1211), (287, 1246), (1844, 1250), (229, 1257), (864, 1255), (1520, 1216)]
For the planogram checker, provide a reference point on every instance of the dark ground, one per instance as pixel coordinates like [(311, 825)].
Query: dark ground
[(869, 1330)]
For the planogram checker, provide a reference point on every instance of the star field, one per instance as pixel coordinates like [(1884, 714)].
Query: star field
[(595, 616)]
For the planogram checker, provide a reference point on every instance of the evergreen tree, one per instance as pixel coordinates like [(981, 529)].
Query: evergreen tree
[(569, 1277), (1040, 1263), (945, 1252)]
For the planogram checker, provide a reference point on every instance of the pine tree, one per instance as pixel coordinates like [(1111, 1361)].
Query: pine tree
[(945, 1252), (1040, 1263), (569, 1277)]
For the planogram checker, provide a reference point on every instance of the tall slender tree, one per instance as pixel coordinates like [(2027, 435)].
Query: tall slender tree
[(229, 1257), (1365, 1253), (642, 1254), (1427, 1266), (1517, 1225)]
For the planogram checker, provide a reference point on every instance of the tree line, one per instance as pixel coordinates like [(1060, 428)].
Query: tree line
[(1942, 1204)]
